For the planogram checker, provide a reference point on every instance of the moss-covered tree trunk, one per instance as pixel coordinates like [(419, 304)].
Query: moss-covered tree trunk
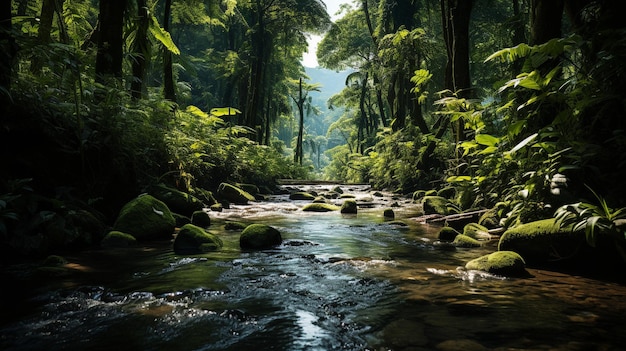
[(141, 50), (169, 89)]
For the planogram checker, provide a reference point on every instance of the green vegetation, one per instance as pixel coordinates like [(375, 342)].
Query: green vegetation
[(510, 106)]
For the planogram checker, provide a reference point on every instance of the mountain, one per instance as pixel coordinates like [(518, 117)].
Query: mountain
[(331, 81)]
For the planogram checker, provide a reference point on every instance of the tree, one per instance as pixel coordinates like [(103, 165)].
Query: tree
[(7, 47), (109, 57), (169, 88), (141, 49)]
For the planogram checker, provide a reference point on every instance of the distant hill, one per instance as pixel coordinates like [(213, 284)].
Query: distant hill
[(331, 81)]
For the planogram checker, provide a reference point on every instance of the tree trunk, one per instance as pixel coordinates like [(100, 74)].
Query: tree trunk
[(7, 49), (169, 88), (110, 43), (43, 32), (141, 50), (299, 151), (545, 20)]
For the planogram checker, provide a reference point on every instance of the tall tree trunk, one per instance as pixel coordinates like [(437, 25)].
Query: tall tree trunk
[(141, 50), (110, 43), (299, 151), (545, 20), (169, 88), (7, 49), (46, 18)]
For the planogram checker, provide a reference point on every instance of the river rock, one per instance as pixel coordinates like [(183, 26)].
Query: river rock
[(259, 236), (466, 241), (447, 234), (118, 239), (301, 195), (176, 200), (235, 225), (201, 219), (389, 214), (146, 218), (320, 207), (504, 263), (234, 194), (542, 241), (349, 206), (476, 231), (192, 239), (435, 205)]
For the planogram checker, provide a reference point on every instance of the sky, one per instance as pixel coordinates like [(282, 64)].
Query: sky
[(309, 59)]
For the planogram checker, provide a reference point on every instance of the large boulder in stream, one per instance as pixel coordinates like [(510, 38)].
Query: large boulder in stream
[(146, 218), (504, 263), (349, 207), (320, 207), (234, 194), (192, 239), (301, 195), (176, 200), (542, 241), (259, 236)]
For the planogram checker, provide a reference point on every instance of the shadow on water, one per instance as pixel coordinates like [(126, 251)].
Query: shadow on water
[(338, 282)]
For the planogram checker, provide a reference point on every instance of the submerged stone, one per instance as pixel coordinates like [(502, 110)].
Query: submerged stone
[(505, 263)]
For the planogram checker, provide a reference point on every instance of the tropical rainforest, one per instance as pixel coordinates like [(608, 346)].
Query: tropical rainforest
[(517, 105)]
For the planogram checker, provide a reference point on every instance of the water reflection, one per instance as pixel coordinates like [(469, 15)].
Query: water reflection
[(336, 283)]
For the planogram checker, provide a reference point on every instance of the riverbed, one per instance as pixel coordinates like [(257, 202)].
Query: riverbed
[(338, 282)]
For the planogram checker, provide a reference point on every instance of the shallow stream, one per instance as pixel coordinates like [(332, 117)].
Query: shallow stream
[(338, 282)]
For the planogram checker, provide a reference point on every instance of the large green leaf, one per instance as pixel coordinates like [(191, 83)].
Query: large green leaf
[(224, 111), (163, 36), (486, 139)]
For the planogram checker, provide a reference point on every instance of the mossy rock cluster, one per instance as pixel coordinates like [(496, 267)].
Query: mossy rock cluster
[(476, 231), (542, 241), (146, 218), (259, 236), (192, 239), (504, 263)]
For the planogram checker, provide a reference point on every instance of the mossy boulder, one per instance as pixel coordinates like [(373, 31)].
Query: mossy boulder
[(465, 241), (542, 241), (259, 236), (249, 188), (301, 195), (118, 239), (505, 263), (447, 234), (320, 207), (176, 200), (476, 231), (201, 219), (217, 207), (347, 196), (349, 206), (234, 194), (320, 200), (435, 205), (192, 239), (146, 218)]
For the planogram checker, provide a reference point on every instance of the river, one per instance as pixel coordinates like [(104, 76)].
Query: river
[(338, 282)]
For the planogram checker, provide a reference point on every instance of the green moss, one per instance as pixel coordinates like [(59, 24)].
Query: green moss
[(176, 200), (118, 239), (465, 241), (541, 240), (259, 236), (192, 239), (317, 207), (448, 234), (476, 231), (506, 263), (447, 192), (145, 217), (349, 206), (301, 195), (435, 205), (201, 219), (347, 196)]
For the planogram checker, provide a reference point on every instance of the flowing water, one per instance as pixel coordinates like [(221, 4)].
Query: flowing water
[(338, 282)]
